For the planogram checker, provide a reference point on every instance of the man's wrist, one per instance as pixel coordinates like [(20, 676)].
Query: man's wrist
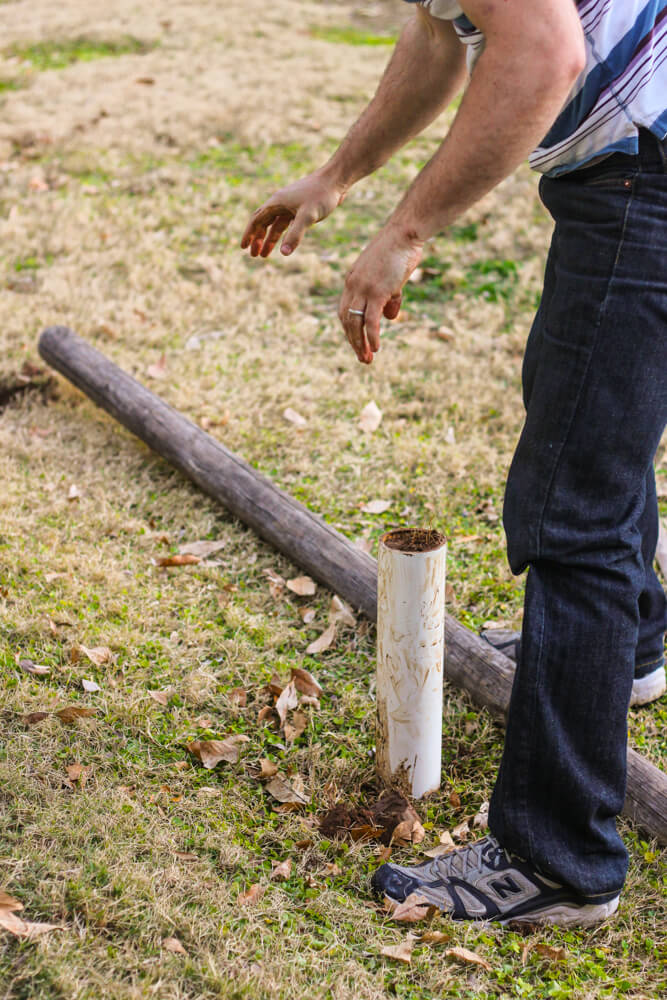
[(405, 231), (336, 177)]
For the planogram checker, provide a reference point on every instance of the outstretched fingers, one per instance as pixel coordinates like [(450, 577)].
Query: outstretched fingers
[(274, 234), (256, 230), (304, 218)]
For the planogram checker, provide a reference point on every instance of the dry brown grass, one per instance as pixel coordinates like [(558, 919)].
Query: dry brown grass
[(121, 204)]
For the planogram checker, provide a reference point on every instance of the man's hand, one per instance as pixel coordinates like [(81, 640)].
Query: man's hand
[(297, 206), (373, 288)]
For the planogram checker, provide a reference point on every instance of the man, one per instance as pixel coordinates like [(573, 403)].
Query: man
[(582, 89)]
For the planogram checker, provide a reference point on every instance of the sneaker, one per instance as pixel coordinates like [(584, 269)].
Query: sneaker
[(649, 684), (485, 882)]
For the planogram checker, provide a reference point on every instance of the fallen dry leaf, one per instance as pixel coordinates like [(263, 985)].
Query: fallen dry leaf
[(306, 683), (444, 333), (341, 612), (331, 868), (77, 772), (408, 831), (468, 957), (435, 937), (455, 800), (481, 818), (309, 699), (238, 696), (287, 700), (74, 493), (161, 697), (414, 908), (98, 655), (282, 870), (304, 586), (365, 831), (462, 831), (370, 418), (174, 945), (32, 718), (294, 418), (281, 789), (34, 668), (275, 686), (265, 713), (439, 850), (73, 712), (267, 768), (399, 952), (185, 559), (307, 615), (185, 856), (90, 686), (158, 369), (211, 752), (202, 549), (383, 854), (322, 642), (376, 506), (251, 895), (37, 184), (551, 953), (16, 925), (296, 728), (276, 583)]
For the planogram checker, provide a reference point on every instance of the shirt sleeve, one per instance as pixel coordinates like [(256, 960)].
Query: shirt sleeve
[(447, 10)]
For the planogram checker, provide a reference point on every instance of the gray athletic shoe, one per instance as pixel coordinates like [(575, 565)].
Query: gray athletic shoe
[(649, 684), (485, 882)]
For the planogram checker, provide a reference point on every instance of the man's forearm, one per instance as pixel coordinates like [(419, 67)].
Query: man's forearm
[(514, 96), (426, 71)]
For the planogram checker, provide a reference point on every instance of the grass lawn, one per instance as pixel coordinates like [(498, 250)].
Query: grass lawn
[(133, 144)]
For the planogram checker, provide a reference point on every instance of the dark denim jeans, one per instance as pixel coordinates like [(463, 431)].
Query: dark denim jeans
[(581, 513)]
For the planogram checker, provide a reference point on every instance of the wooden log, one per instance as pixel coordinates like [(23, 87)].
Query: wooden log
[(483, 672)]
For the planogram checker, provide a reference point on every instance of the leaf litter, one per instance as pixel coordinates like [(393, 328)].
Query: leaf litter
[(303, 586), (212, 752), (37, 669), (9, 921), (202, 549), (323, 642), (370, 417)]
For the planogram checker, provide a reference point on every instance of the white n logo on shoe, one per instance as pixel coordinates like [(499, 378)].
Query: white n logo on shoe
[(512, 884), (504, 887)]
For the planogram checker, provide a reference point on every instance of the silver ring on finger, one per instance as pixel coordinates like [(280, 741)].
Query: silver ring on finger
[(357, 312)]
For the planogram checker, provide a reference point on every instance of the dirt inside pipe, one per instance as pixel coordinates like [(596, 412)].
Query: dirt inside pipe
[(414, 539)]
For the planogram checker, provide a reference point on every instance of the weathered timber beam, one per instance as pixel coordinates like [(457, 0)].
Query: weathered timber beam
[(305, 538)]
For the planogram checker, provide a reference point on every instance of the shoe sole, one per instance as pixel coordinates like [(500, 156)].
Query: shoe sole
[(649, 688), (568, 915)]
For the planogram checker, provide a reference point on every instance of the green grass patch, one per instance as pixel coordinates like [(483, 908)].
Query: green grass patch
[(12, 84), (351, 36), (54, 54)]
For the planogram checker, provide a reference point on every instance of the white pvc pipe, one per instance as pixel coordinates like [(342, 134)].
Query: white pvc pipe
[(411, 639)]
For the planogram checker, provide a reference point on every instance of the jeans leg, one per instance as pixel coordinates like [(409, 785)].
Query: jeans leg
[(652, 601), (575, 508)]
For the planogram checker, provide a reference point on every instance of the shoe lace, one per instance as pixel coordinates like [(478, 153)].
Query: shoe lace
[(486, 853)]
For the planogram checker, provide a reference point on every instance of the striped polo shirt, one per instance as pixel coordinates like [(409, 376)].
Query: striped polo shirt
[(622, 87)]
